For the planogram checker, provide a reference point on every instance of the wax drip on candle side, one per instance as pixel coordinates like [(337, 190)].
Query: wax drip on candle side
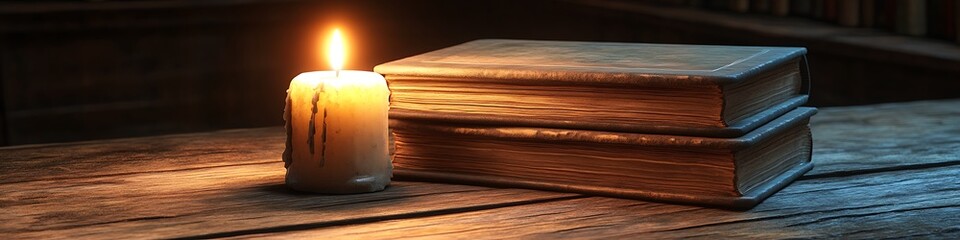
[(323, 138), (288, 150), (312, 128)]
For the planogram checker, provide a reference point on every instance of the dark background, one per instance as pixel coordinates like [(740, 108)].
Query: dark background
[(89, 70)]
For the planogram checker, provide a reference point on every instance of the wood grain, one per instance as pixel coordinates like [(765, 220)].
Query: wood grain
[(883, 137), (220, 201), (882, 171), (894, 205), (137, 155)]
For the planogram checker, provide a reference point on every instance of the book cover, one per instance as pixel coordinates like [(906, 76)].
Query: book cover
[(726, 172), (720, 91)]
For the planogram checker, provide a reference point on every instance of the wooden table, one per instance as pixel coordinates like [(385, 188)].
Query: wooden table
[(882, 171)]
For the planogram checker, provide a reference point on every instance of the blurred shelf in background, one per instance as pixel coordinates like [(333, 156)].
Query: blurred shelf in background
[(104, 69)]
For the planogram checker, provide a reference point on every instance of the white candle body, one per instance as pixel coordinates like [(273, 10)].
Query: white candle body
[(337, 133)]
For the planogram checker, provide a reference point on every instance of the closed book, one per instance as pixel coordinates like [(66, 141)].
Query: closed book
[(696, 90), (735, 173)]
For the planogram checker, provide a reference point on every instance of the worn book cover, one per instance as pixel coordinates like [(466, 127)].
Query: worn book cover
[(726, 172), (698, 90)]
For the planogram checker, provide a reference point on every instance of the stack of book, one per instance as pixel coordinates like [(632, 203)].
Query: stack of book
[(707, 125)]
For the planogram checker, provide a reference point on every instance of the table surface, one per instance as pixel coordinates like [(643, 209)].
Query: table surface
[(882, 171)]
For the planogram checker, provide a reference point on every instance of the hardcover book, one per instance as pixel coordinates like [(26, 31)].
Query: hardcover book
[(693, 90), (707, 125), (726, 172)]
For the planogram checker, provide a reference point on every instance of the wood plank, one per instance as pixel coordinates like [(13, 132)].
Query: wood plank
[(883, 137), (843, 142), (914, 203), (229, 183), (221, 201), (135, 155)]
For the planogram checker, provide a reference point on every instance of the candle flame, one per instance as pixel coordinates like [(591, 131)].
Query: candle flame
[(336, 51)]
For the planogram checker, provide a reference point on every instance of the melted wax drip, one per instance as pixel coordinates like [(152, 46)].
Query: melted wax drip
[(313, 117), (323, 138), (288, 149), (313, 127)]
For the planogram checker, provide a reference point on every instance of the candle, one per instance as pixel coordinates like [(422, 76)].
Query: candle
[(336, 125)]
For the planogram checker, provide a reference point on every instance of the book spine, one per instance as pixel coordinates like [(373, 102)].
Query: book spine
[(780, 7), (886, 14), (800, 7), (949, 19), (696, 4), (740, 6), (911, 17), (867, 11), (956, 20), (830, 10), (717, 5), (760, 6), (816, 9), (936, 21), (849, 13)]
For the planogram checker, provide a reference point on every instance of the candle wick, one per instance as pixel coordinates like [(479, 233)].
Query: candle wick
[(338, 73)]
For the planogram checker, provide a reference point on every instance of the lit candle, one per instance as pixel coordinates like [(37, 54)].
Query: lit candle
[(336, 125)]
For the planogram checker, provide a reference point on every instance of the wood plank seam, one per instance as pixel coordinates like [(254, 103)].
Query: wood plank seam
[(406, 196), (173, 136), (373, 219), (855, 172), (121, 220), (871, 214), (63, 178), (758, 219)]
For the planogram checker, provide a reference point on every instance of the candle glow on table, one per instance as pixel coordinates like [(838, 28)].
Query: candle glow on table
[(337, 136)]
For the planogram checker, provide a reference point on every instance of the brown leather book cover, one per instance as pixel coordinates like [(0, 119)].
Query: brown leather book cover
[(612, 164), (607, 65)]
